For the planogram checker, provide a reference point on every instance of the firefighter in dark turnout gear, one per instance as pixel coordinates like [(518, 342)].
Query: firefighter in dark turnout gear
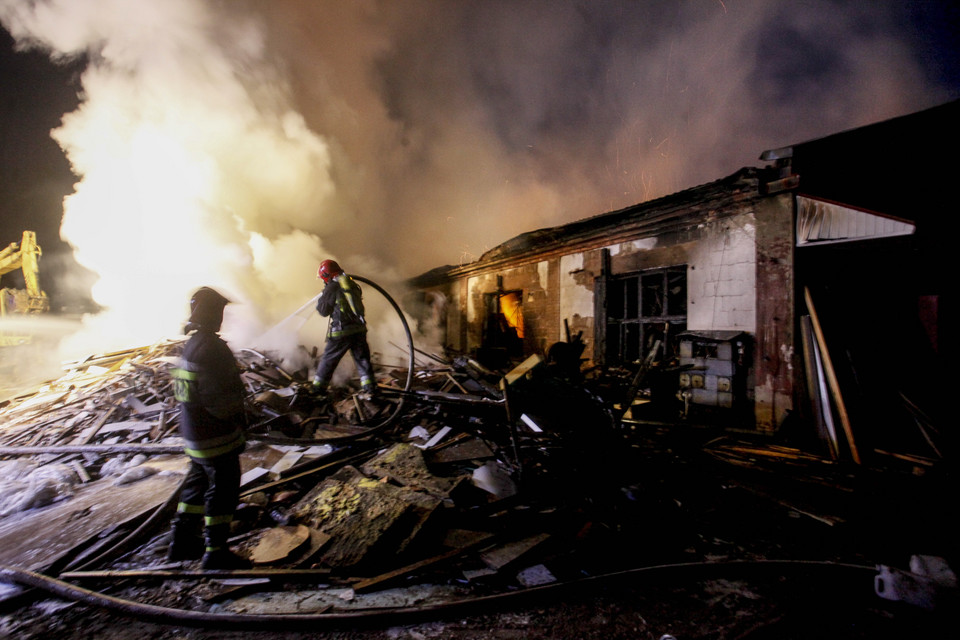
[(342, 302), (210, 392)]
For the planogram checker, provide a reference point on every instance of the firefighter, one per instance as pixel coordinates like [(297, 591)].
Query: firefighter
[(212, 419), (342, 302)]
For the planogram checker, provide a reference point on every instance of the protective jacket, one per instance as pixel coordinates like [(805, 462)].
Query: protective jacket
[(210, 391), (342, 301)]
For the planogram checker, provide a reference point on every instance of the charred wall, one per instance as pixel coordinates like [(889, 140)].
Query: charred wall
[(732, 246), (775, 351)]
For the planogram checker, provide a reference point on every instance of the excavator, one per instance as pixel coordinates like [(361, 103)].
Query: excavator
[(24, 255)]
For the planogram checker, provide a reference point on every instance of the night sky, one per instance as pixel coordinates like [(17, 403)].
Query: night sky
[(35, 174), (439, 130)]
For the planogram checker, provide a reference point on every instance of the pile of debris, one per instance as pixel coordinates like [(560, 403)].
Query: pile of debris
[(454, 483), (483, 474)]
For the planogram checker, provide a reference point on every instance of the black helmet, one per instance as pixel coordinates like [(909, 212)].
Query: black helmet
[(206, 309)]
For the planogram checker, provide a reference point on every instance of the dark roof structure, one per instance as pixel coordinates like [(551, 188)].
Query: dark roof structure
[(893, 167)]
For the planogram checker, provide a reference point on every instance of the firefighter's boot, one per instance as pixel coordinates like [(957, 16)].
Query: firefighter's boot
[(186, 543), (369, 392), (317, 391), (218, 554)]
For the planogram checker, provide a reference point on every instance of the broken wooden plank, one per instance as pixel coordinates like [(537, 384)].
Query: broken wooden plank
[(154, 449), (81, 471), (135, 405), (88, 434), (175, 574), (827, 520), (512, 425), (67, 523), (638, 379), (454, 382), (309, 472), (126, 425), (531, 423), (253, 475), (46, 399), (465, 449), (906, 457), (831, 376), (501, 556), (159, 427), (523, 369), (437, 437), (816, 392), (289, 459), (381, 580), (317, 541), (278, 543)]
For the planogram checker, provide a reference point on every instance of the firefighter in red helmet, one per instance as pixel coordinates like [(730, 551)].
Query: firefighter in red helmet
[(342, 302)]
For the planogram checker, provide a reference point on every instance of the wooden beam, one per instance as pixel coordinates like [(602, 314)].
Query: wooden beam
[(155, 449), (378, 581), (182, 574), (831, 376)]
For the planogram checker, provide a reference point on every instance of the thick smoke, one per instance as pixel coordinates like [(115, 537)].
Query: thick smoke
[(194, 169), (238, 143), (462, 124)]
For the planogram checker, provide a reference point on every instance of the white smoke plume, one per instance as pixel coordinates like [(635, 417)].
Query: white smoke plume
[(194, 169), (236, 144)]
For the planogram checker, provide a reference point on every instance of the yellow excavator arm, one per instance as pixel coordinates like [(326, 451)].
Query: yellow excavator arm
[(24, 256)]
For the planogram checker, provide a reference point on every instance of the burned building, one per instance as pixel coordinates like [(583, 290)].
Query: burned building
[(722, 283)]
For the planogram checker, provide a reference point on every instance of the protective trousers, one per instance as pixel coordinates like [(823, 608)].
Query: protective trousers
[(334, 350), (212, 490)]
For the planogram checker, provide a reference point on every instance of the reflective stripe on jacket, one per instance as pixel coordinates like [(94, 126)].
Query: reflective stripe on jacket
[(210, 392)]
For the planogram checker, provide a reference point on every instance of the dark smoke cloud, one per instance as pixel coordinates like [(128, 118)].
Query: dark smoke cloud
[(457, 125), (436, 130)]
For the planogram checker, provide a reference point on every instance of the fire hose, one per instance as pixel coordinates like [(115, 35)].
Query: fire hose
[(856, 576)]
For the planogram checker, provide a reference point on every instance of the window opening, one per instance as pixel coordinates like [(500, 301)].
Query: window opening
[(643, 307)]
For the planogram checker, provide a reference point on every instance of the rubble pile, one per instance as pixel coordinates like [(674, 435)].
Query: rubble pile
[(453, 483), (103, 414), (367, 493), (123, 397)]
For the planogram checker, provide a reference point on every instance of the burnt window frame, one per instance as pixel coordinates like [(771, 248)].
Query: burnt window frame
[(637, 314)]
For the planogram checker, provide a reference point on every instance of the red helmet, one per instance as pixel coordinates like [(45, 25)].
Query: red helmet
[(329, 269)]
